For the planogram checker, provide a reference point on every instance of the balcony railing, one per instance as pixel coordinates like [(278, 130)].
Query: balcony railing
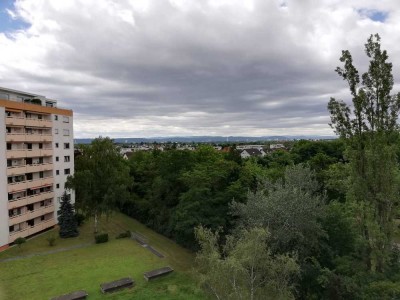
[(29, 184), (21, 121), (20, 153), (23, 201), (22, 169), (28, 137), (28, 215), (31, 230)]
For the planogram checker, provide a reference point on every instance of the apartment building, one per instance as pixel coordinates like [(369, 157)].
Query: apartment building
[(36, 157)]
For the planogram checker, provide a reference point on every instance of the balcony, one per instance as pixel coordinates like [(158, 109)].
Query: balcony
[(22, 169), (28, 215), (29, 184), (30, 199), (15, 137), (38, 123), (21, 121), (18, 153), (15, 121), (31, 230), (37, 183), (16, 186), (16, 170), (38, 137), (39, 167)]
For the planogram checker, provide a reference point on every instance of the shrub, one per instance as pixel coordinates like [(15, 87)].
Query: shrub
[(123, 235), (19, 241), (51, 240), (80, 218), (101, 238)]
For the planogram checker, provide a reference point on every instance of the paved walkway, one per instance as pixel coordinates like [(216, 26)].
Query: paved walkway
[(46, 253)]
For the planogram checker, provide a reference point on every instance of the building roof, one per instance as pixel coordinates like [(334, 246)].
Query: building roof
[(253, 152)]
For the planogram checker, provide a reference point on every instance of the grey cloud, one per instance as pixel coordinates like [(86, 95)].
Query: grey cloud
[(191, 67)]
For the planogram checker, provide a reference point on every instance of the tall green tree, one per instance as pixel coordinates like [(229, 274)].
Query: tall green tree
[(101, 179), (291, 208), (370, 131), (66, 218), (245, 268)]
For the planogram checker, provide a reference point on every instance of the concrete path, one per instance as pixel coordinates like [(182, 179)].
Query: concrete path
[(46, 253)]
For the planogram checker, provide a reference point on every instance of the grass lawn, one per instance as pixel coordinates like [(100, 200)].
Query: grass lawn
[(46, 276)]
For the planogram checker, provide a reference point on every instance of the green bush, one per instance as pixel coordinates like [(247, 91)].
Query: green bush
[(51, 240), (19, 241), (123, 235), (101, 238), (80, 218)]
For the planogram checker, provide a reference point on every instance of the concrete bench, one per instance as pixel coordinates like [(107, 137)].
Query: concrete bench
[(157, 273), (116, 285), (77, 295), (154, 251)]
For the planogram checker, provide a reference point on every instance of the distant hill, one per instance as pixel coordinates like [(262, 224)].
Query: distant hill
[(211, 139)]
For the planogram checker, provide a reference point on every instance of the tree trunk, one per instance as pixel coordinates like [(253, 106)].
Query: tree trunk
[(95, 222)]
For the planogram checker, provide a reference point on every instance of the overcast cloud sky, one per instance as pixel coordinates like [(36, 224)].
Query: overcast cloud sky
[(147, 68)]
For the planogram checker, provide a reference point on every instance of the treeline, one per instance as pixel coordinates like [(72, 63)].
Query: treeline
[(175, 191)]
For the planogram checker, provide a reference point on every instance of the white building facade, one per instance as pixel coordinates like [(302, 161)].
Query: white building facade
[(36, 157)]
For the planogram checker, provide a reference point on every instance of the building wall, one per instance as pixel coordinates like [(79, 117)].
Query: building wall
[(3, 181), (60, 138)]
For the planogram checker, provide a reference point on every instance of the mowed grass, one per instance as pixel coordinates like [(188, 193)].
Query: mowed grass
[(49, 275)]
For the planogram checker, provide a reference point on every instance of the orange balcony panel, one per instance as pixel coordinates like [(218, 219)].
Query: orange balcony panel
[(16, 153), (16, 170), (38, 137), (18, 186), (29, 215), (30, 200), (13, 121), (15, 137), (38, 123)]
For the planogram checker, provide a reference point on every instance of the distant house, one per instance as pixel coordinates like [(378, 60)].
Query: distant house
[(243, 147), (277, 146), (246, 153), (127, 154)]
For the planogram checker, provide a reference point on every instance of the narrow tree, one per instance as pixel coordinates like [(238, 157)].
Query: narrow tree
[(101, 179), (370, 131), (245, 269), (66, 218)]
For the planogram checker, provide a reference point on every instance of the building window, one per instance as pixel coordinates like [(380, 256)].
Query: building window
[(55, 131), (57, 158), (67, 171), (55, 118), (66, 158), (57, 186), (66, 119), (11, 228), (57, 172), (66, 132), (56, 145), (42, 218), (66, 145)]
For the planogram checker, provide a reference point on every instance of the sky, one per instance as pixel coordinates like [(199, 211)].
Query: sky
[(151, 68)]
